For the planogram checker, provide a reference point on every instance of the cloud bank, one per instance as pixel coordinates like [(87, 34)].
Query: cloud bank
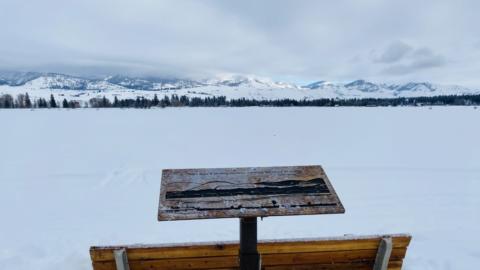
[(287, 40)]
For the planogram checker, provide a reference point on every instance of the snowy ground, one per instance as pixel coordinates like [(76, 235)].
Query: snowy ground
[(71, 179)]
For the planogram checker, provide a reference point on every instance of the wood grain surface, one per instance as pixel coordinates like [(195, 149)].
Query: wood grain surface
[(341, 253), (246, 192)]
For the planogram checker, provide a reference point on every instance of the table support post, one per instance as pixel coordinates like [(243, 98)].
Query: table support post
[(248, 254)]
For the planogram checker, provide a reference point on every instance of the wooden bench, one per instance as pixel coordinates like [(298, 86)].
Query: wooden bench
[(343, 253)]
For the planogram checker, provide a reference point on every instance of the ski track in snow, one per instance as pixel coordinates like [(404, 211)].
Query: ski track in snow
[(70, 179)]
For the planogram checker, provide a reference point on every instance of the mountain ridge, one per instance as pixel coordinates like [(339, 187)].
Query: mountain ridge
[(229, 85)]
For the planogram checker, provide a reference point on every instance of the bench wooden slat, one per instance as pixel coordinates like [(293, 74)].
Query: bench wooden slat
[(393, 265), (332, 257), (335, 254), (99, 254)]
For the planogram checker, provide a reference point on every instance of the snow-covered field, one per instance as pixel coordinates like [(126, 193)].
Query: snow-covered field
[(72, 179)]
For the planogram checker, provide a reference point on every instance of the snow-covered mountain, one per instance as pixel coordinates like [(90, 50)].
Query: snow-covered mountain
[(365, 89), (233, 80), (231, 86), (151, 83), (17, 78)]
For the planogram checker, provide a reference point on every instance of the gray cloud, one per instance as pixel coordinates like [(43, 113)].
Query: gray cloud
[(283, 39), (411, 60), (426, 58), (394, 52)]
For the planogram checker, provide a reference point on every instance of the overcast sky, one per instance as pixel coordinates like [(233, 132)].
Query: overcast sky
[(300, 41)]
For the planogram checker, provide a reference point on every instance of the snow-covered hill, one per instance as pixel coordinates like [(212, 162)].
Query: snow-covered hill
[(231, 86), (365, 89)]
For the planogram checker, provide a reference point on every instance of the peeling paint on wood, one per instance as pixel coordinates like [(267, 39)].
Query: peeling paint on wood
[(246, 192)]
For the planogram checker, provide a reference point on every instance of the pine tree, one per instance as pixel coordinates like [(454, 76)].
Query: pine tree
[(65, 103), (137, 102), (165, 102), (53, 103), (155, 101), (41, 103), (105, 102), (6, 101), (28, 102)]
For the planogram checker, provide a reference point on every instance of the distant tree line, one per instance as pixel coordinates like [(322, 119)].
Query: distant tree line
[(222, 101), (166, 101), (24, 101)]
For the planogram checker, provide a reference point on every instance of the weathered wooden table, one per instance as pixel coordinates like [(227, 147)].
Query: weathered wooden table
[(246, 193)]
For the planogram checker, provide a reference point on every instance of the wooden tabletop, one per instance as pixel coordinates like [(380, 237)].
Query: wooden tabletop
[(246, 192)]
